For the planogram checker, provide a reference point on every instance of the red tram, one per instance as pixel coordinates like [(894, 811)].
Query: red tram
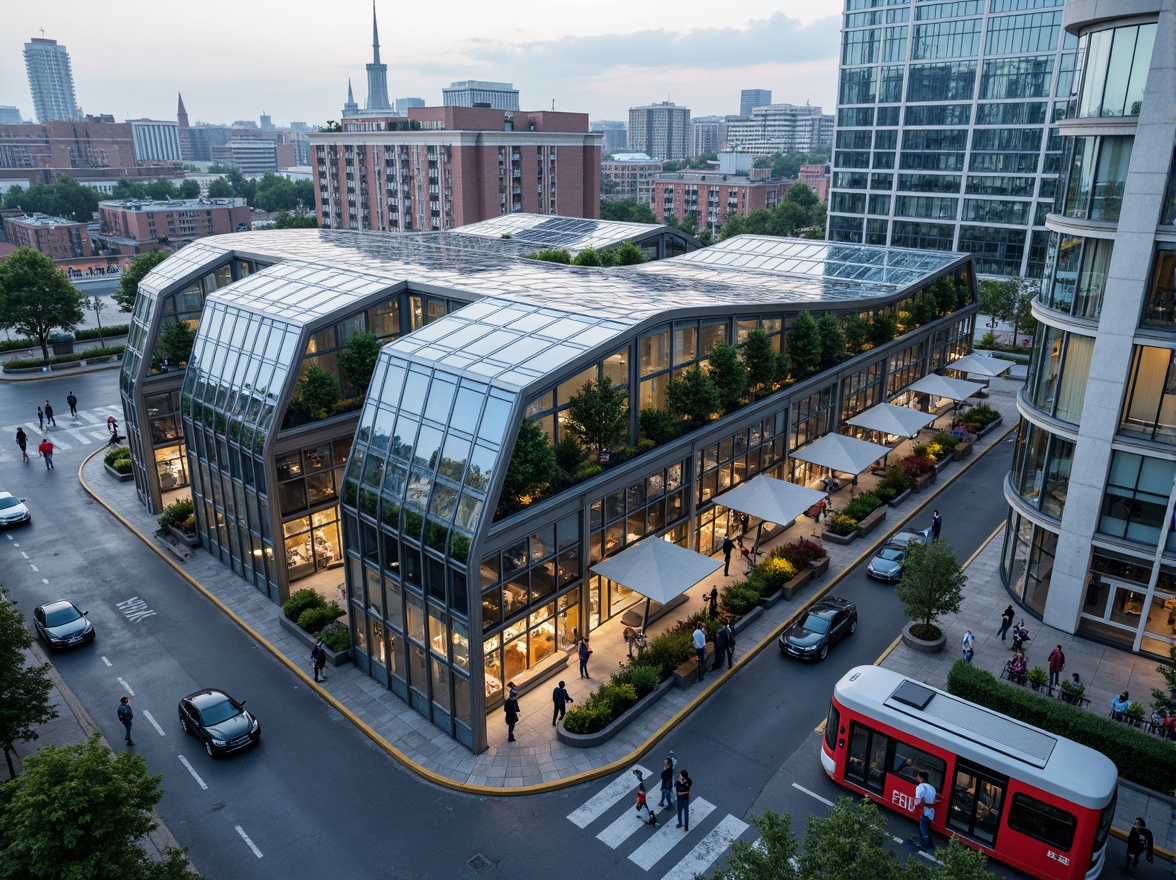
[(1030, 799)]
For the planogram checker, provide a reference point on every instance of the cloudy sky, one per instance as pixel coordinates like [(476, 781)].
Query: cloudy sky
[(235, 59)]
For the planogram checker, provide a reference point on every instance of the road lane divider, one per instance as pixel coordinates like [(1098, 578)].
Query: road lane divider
[(107, 662), (126, 687), (249, 843), (192, 770), (151, 719)]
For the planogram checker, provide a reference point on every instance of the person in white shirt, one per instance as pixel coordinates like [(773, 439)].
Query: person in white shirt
[(925, 798), (700, 649), (969, 646)]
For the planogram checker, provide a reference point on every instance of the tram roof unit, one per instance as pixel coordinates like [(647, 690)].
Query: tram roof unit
[(1003, 744)]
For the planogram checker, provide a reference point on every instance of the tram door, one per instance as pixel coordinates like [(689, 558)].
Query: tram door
[(866, 765), (977, 799)]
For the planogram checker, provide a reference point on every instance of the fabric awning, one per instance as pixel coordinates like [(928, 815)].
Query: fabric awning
[(657, 569), (769, 499), (901, 421), (847, 455), (942, 386), (981, 365)]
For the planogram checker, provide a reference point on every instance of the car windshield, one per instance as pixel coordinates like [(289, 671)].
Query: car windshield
[(8, 502), (219, 712), (894, 554), (816, 623), (62, 615)]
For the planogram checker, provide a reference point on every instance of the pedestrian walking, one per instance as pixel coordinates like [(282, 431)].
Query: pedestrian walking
[(730, 643), (700, 650), (126, 716), (46, 451), (318, 659), (40, 419), (22, 440), (642, 801), (682, 790), (1139, 842), (73, 404), (925, 798), (1006, 620), (49, 415), (1057, 663), (720, 648), (112, 425), (969, 646), (511, 708), (712, 599), (728, 547), (560, 697), (936, 525), (667, 784), (584, 652)]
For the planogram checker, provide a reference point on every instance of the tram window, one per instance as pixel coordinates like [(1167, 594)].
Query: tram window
[(909, 761), (976, 804), (1104, 821), (1043, 821), (832, 724), (867, 757)]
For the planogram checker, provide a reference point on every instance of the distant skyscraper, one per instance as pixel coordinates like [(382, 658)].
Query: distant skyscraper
[(377, 74), (476, 92), (706, 134), (267, 122), (660, 130), (51, 81), (181, 112), (10, 115), (749, 99), (781, 128), (614, 132), (402, 105)]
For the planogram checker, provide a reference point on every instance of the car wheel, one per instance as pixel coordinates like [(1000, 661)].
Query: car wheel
[(208, 748), (853, 626), (184, 725), (823, 653)]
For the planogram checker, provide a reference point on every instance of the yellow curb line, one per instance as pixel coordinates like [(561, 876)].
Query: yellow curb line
[(537, 788)]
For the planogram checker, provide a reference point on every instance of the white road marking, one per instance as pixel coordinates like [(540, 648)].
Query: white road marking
[(813, 794), (33, 567), (24, 555), (135, 609), (625, 825), (192, 770), (154, 723), (126, 687), (708, 850), (594, 807), (648, 854), (249, 843), (107, 662), (44, 580)]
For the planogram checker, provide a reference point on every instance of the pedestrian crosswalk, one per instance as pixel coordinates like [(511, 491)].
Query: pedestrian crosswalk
[(88, 429), (695, 852)]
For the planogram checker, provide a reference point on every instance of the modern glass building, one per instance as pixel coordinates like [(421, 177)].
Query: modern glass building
[(946, 130), (1089, 545)]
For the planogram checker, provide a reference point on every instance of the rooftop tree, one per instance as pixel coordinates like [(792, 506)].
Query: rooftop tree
[(693, 398), (804, 346), (358, 359), (729, 375), (532, 463), (832, 340), (598, 415), (761, 362)]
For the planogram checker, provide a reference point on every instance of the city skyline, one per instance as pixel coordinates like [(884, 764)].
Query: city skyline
[(296, 67)]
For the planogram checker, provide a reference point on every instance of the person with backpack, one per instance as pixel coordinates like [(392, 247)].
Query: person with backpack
[(49, 415), (643, 802), (318, 659)]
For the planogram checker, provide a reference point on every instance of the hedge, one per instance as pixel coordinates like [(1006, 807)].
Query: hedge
[(119, 453), (610, 700), (27, 363), (1140, 758)]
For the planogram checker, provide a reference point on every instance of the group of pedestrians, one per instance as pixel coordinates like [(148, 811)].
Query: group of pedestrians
[(676, 786), (45, 418)]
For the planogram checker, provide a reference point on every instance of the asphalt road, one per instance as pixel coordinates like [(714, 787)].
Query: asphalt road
[(317, 798)]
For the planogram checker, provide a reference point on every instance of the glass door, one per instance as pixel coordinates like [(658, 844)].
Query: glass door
[(977, 798)]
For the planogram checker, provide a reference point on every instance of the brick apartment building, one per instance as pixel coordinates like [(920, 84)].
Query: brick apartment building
[(460, 166), (88, 149), (816, 177), (56, 238), (711, 196), (633, 173), (137, 226)]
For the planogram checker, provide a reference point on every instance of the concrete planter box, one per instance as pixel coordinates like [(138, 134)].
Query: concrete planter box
[(589, 740), (942, 463), (842, 540), (919, 483), (923, 646), (183, 538), (798, 581), (686, 675), (122, 478), (900, 497), (747, 619), (961, 449), (871, 521), (819, 566), (990, 427), (333, 659)]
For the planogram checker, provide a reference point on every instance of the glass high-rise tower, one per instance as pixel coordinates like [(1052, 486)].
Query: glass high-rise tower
[(945, 136), (50, 81)]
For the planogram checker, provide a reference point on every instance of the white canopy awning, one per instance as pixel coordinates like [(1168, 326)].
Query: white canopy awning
[(890, 419), (657, 569), (847, 455), (769, 499), (942, 386), (981, 365)]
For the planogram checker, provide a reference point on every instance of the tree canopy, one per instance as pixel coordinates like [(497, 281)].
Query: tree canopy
[(728, 373), (36, 298), (176, 341), (128, 284), (24, 690), (286, 220), (65, 197), (598, 414), (787, 165), (358, 359), (693, 398), (932, 585), (626, 211), (315, 393), (628, 254), (798, 210), (804, 346), (532, 463)]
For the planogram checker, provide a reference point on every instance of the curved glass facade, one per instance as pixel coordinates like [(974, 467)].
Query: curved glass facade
[(1160, 306), (1041, 468), (1076, 275), (1115, 70), (1096, 174), (1056, 384)]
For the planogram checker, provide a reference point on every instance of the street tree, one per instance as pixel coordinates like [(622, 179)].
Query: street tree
[(36, 298), (176, 341), (316, 393), (79, 811), (932, 585), (189, 189), (128, 284), (532, 463), (96, 305), (65, 198), (24, 689), (961, 862), (1027, 290), (220, 189), (162, 189), (286, 220), (729, 375), (850, 843), (598, 415), (760, 361), (804, 346), (832, 340), (693, 398), (358, 359), (772, 857), (999, 298)]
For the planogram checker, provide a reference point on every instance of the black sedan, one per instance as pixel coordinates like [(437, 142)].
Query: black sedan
[(62, 624), (218, 721), (823, 625)]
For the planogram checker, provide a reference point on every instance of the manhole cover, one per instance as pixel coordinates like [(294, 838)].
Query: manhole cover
[(479, 863)]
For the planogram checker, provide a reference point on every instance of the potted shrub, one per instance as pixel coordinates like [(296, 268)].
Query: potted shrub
[(894, 488), (117, 463), (1134, 713), (868, 510), (841, 529), (1037, 677), (1072, 692), (805, 553), (932, 585), (920, 470), (179, 520)]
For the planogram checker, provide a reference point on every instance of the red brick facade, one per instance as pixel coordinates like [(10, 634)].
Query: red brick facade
[(181, 221), (710, 196), (56, 238), (80, 149)]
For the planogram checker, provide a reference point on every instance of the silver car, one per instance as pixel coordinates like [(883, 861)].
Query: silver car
[(12, 510), (888, 561)]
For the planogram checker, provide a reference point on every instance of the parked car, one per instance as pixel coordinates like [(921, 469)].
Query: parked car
[(888, 561), (221, 723), (62, 624), (12, 510), (822, 627)]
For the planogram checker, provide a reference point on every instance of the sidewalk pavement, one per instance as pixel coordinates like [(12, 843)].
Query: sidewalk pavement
[(539, 761)]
